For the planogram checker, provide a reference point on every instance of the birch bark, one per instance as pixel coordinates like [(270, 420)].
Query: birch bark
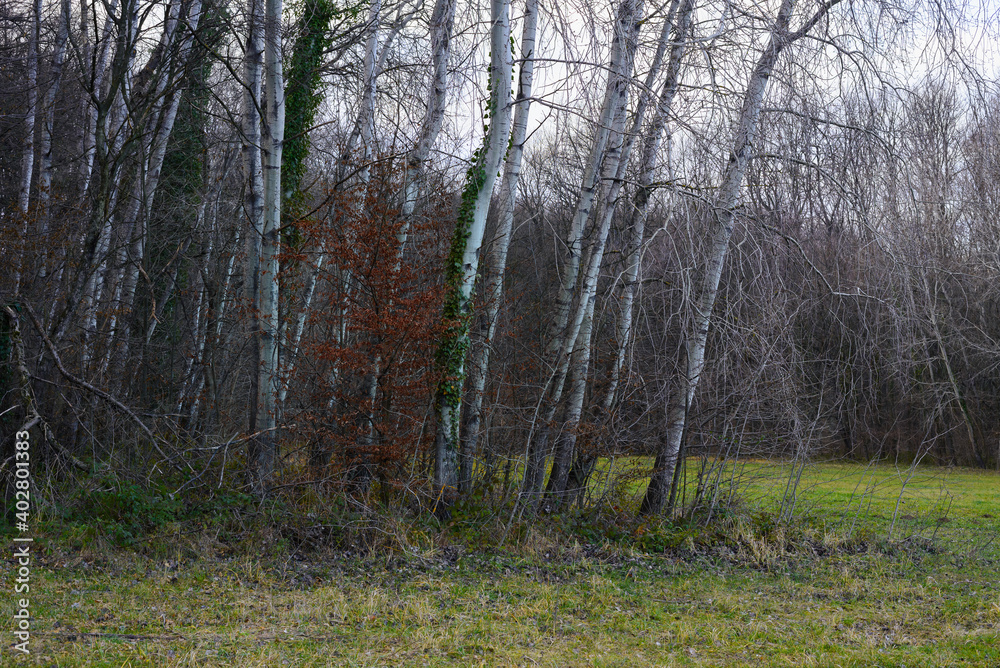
[(162, 118), (28, 145), (563, 331), (253, 69), (97, 70), (265, 448), (722, 224), (463, 260), (583, 318), (49, 112), (620, 69), (579, 473), (492, 290), (442, 21)]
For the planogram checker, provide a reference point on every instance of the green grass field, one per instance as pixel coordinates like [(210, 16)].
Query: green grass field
[(930, 596), (872, 497)]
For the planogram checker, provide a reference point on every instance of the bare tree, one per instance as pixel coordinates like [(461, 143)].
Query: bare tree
[(491, 287), (463, 260), (723, 214)]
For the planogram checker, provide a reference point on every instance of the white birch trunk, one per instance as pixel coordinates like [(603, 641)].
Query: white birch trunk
[(366, 116), (571, 480), (162, 118), (93, 139), (49, 112), (96, 84), (583, 315), (442, 21), (561, 480), (111, 130), (199, 321), (693, 361), (626, 21), (564, 331), (640, 201), (28, 146), (268, 378), (469, 232), (253, 68), (493, 286)]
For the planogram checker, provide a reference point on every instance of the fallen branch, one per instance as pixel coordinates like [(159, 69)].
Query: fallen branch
[(72, 635), (99, 392), (32, 416)]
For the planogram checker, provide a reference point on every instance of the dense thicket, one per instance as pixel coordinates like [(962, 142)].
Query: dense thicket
[(726, 230)]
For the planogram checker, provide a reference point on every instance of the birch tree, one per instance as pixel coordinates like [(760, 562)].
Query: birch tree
[(265, 451), (442, 22), (463, 259), (722, 223), (577, 476), (492, 286), (49, 111), (176, 44), (563, 330), (28, 145), (619, 161)]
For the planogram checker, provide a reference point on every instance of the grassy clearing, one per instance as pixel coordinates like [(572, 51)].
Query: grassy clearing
[(871, 498), (553, 602)]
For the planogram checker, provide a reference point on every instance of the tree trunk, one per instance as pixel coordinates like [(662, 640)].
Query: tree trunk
[(28, 146), (253, 68), (693, 351), (623, 48), (463, 260), (144, 190), (442, 21), (492, 290), (583, 466), (97, 71), (640, 201), (563, 332), (264, 453), (619, 162), (49, 112)]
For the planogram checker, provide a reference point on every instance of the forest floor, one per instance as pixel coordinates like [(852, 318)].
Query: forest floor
[(837, 591)]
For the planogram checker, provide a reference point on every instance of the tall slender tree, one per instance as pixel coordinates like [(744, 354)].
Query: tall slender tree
[(491, 287), (723, 220), (463, 259), (563, 329)]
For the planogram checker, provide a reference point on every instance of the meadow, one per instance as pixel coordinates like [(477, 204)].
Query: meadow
[(831, 586)]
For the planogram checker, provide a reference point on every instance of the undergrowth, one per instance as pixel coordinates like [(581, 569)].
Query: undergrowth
[(110, 514)]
